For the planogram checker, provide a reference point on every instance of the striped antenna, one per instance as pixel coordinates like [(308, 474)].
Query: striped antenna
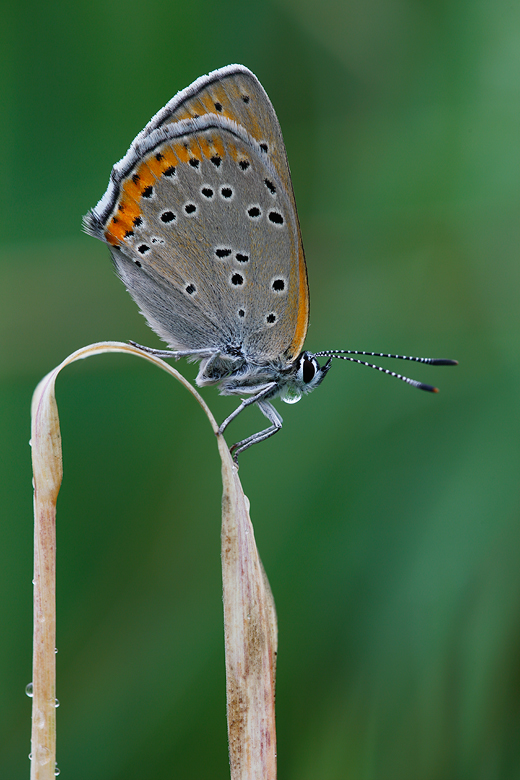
[(343, 354)]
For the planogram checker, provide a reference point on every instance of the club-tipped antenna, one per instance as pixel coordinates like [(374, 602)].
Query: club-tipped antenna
[(344, 354)]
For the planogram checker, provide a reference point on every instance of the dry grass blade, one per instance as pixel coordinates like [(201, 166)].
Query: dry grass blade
[(251, 638), (249, 615)]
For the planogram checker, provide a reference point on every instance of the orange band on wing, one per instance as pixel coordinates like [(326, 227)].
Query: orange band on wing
[(123, 220), (302, 320), (128, 209)]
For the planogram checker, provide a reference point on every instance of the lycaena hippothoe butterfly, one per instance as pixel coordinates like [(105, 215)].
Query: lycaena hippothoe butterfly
[(201, 222)]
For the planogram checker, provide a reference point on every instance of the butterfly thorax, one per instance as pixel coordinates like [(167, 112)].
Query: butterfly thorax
[(290, 380)]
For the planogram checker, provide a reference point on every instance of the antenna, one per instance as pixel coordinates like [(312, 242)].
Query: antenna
[(343, 354)]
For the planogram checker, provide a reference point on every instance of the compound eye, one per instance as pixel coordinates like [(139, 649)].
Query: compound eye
[(309, 370)]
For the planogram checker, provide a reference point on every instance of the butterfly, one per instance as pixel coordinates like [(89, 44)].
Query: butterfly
[(201, 222)]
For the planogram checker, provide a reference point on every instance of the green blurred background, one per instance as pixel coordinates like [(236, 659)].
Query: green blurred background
[(387, 519)]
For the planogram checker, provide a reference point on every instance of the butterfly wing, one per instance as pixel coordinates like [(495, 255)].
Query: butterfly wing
[(202, 226), (232, 93)]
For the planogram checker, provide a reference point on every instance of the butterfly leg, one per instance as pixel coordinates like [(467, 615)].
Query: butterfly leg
[(274, 418), (254, 399), (170, 353)]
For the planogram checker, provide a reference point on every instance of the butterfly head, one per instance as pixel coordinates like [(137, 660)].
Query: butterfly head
[(306, 374)]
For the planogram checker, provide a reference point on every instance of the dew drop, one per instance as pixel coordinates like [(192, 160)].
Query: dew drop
[(56, 770), (56, 703), (29, 689)]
